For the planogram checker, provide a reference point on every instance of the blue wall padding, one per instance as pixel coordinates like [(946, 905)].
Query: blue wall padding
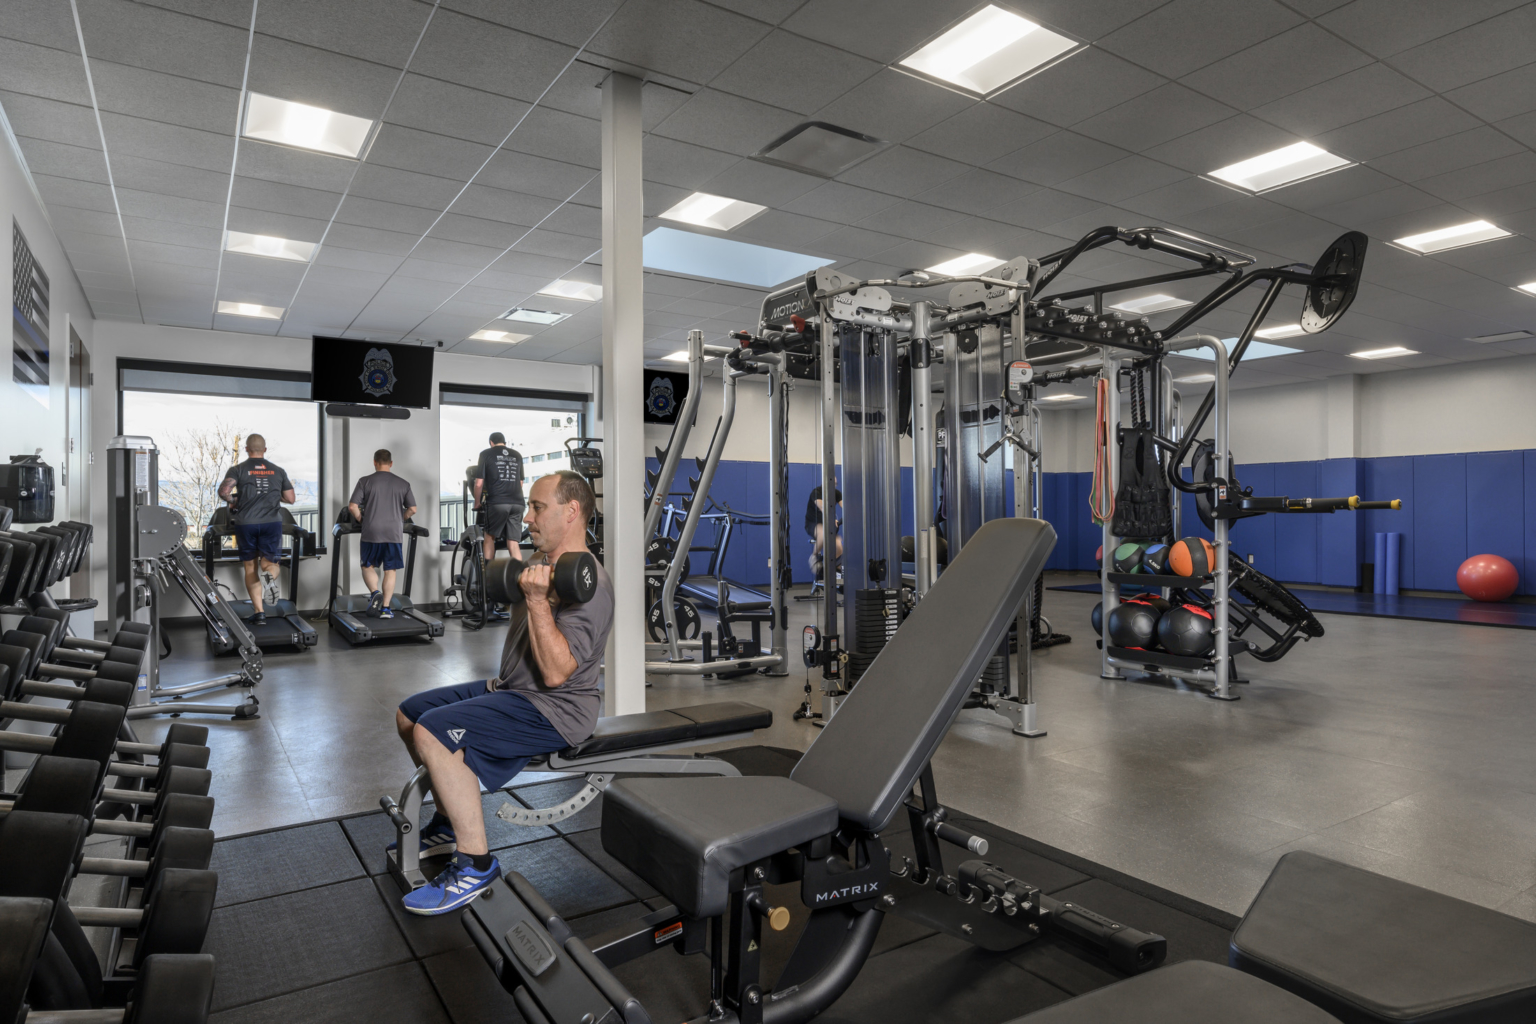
[(1453, 506)]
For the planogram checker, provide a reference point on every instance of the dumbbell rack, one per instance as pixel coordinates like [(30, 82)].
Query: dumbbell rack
[(1160, 662)]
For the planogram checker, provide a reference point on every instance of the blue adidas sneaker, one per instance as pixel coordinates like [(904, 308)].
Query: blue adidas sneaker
[(437, 840), (457, 885)]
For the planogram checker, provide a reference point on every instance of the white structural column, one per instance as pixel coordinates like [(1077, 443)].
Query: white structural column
[(623, 418), (1344, 416)]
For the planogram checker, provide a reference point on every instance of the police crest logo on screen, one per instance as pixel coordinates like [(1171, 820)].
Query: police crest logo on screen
[(378, 376), (661, 400)]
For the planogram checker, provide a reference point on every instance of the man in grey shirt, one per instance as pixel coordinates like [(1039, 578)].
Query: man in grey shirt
[(544, 697), (382, 502)]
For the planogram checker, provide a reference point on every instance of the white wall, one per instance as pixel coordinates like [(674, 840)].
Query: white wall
[(25, 425)]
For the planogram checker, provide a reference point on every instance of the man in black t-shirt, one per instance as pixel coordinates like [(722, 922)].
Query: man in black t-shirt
[(813, 526), (499, 491), (256, 489)]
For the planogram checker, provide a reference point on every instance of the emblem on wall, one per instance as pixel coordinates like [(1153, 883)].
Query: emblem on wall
[(661, 400), (378, 376)]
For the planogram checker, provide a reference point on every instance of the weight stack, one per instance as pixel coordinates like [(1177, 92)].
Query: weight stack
[(994, 678), (877, 613)]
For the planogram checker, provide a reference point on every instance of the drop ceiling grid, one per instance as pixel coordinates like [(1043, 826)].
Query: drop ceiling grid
[(1096, 142)]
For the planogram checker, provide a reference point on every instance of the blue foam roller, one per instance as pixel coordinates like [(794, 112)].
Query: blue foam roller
[(1394, 560), (1380, 576)]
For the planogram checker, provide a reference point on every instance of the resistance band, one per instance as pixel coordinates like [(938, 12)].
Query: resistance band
[(1101, 499)]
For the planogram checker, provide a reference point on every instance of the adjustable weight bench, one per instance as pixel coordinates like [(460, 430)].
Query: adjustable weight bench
[(622, 744), (710, 845)]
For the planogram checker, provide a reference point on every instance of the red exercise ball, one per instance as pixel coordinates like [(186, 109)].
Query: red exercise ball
[(1487, 578)]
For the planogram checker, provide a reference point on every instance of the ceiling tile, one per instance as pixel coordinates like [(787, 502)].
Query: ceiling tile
[(520, 172), (1447, 154), (1056, 158), (477, 231), (893, 106), (681, 164), (351, 236), (556, 135), (159, 97), (683, 38), (39, 71), (903, 25), (1089, 19), (372, 213), (431, 105), (1164, 113), (1184, 35), (761, 183), (280, 225), (728, 123), (904, 172), (1385, 27), (496, 204), (552, 243), (570, 21), (55, 158), (1186, 196), (1350, 97), (1396, 130), (1226, 142), (428, 270), (484, 56), (1499, 97), (69, 192), (295, 166), (381, 31), (40, 22), (1047, 206), (793, 72), (95, 222), (38, 118), (978, 192), (162, 207), (1495, 175), (411, 150), (154, 38), (1122, 179), (185, 255), (981, 133), (409, 188), (1474, 53), (1087, 83), (913, 219), (845, 204), (321, 78), (855, 243), (171, 179), (278, 197), (1277, 67), (155, 140), (1377, 205)]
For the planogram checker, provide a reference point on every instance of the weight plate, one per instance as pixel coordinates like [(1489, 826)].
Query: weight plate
[(688, 622), (1335, 279)]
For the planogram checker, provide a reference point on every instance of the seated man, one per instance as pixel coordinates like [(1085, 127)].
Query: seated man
[(545, 698), (813, 526), (381, 503), (255, 489)]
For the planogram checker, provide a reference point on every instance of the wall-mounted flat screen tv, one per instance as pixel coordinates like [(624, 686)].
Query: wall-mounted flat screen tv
[(371, 373)]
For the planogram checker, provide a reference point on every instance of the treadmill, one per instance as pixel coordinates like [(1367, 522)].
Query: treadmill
[(284, 627), (348, 612), (731, 601)]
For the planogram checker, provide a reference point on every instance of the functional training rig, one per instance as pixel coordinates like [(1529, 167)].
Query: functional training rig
[(146, 552), (1001, 338), (711, 846)]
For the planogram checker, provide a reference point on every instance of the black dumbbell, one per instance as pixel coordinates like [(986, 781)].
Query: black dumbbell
[(90, 730), (574, 578)]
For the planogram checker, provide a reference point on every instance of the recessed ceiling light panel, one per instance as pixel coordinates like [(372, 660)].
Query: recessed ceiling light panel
[(707, 211), (1391, 352), (506, 337), (1529, 288), (1273, 333), (1485, 339), (251, 309), (269, 246), (989, 51), (269, 119), (1061, 398), (1280, 167), (579, 290), (1195, 378), (680, 356), (970, 263), (816, 147), (542, 317), (724, 259), (1453, 237), (1147, 304), (1256, 350)]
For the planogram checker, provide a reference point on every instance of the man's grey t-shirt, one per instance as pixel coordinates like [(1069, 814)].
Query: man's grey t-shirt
[(384, 498), (501, 469), (259, 487), (573, 706)]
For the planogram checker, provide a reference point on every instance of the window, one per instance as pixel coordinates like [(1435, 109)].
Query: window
[(536, 423), (200, 416)]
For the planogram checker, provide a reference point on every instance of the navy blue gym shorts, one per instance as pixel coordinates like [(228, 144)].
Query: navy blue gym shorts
[(380, 555), (263, 538), (498, 730)]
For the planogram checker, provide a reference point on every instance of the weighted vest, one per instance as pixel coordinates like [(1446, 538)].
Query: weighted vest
[(1142, 510)]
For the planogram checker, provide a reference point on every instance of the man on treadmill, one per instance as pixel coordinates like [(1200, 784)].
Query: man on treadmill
[(499, 492), (381, 503), (255, 490), (544, 698)]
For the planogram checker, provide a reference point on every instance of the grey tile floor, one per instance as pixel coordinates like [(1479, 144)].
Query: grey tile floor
[(1401, 746)]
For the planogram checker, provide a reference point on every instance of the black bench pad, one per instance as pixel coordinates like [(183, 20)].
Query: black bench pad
[(686, 835), (1370, 948), (659, 728), (1193, 992)]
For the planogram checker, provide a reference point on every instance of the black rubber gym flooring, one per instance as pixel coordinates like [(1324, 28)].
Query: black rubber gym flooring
[(309, 928)]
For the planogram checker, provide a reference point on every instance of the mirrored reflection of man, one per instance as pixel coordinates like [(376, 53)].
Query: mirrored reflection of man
[(255, 490)]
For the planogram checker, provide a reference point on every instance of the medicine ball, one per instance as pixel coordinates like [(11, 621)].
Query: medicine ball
[(1128, 556), (1097, 618), (1155, 560), (1098, 557), (1134, 625), (1192, 556), (1186, 630)]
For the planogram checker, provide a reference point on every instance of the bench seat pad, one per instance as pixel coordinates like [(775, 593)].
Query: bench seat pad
[(686, 835), (1193, 992), (1368, 948), (660, 728)]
